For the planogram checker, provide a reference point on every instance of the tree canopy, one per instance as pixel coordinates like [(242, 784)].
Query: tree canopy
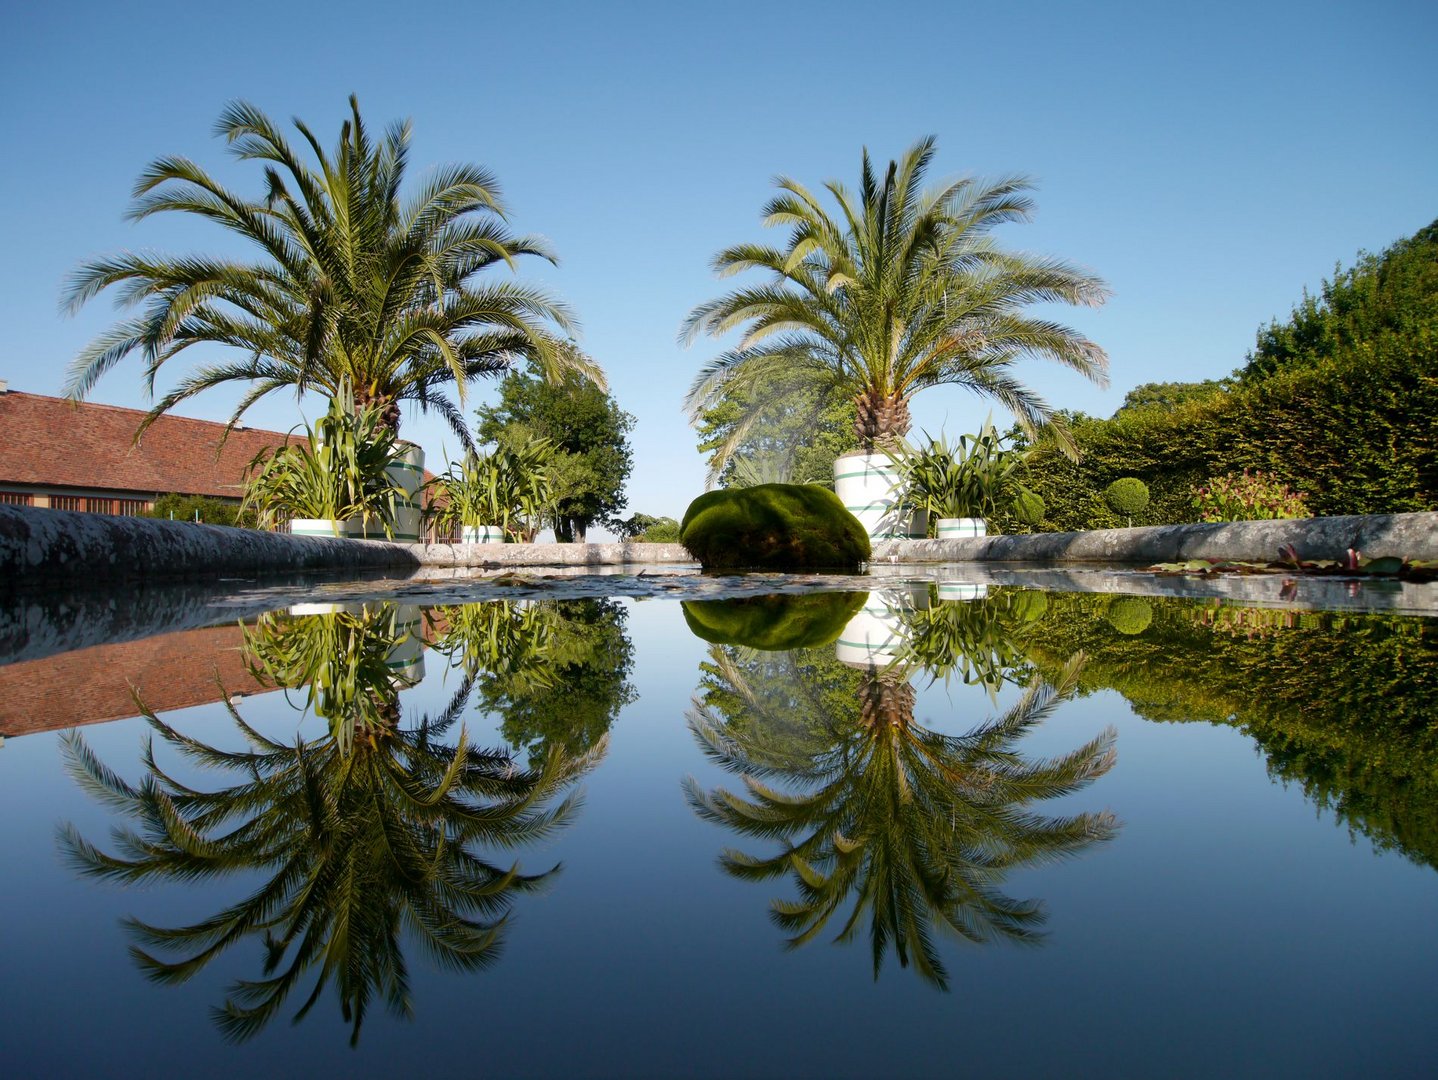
[(589, 433), (352, 282), (897, 290)]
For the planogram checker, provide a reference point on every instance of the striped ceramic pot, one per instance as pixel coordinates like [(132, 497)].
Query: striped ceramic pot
[(878, 634), (481, 534), (867, 485), (407, 471), (959, 528), (317, 527)]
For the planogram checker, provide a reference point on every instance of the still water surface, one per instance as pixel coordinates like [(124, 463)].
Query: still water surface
[(849, 834)]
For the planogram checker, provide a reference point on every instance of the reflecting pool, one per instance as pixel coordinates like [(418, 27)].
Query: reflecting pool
[(909, 827)]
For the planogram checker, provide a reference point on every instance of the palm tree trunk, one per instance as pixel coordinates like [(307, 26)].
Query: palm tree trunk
[(880, 419), (390, 412)]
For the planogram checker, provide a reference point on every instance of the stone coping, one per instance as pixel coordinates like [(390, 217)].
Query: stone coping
[(1414, 536), (41, 548)]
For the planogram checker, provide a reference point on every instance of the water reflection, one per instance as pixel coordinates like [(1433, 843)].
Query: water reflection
[(556, 672), (374, 835), (914, 829), (1344, 705)]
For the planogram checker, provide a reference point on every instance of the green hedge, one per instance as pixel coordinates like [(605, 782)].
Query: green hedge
[(1340, 403)]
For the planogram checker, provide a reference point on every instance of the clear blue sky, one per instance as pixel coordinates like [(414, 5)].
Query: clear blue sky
[(1207, 160)]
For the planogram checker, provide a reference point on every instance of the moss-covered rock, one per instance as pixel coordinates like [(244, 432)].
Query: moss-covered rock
[(774, 623), (774, 527)]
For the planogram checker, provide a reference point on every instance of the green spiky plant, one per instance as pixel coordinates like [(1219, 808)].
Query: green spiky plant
[(358, 848), (501, 639), (918, 829), (976, 641), (976, 478), (351, 281), (336, 472), (339, 659), (507, 486), (896, 290)]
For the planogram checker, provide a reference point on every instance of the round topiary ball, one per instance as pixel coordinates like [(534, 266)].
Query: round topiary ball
[(774, 527), (1127, 495), (1029, 507), (1130, 615)]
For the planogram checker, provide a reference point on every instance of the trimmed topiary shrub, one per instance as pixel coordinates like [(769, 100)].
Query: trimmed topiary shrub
[(1130, 615), (775, 622), (1127, 495), (774, 527)]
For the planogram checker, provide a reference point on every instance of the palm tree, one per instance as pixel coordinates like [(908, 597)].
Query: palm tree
[(350, 284), (919, 828), (904, 289), (355, 837)]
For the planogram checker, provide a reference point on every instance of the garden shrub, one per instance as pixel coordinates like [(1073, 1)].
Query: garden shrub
[(1249, 497), (1130, 615), (774, 527), (1127, 495)]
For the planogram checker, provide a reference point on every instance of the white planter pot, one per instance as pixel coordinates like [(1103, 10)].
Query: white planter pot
[(317, 527), (408, 472), (959, 528), (962, 590), (866, 484), (877, 635), (406, 659), (481, 534), (324, 609)]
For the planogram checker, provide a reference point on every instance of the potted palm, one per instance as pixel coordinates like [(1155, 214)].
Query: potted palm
[(339, 473), (893, 290), (486, 496), (961, 485)]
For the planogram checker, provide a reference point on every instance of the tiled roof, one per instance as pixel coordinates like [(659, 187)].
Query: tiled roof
[(100, 683), (47, 441)]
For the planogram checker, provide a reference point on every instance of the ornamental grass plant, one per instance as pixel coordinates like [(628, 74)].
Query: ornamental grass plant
[(336, 472)]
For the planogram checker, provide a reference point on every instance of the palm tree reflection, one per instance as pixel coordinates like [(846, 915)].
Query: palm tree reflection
[(915, 828), (369, 835)]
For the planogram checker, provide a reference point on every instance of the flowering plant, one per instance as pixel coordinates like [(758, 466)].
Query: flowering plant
[(1248, 497)]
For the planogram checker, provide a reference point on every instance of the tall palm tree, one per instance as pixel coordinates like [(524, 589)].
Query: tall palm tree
[(351, 282), (918, 827), (898, 290), (356, 838)]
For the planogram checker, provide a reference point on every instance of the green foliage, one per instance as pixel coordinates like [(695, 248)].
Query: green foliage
[(780, 430), (774, 622), (1169, 395), (567, 700), (336, 472), (201, 508), (1360, 741), (1127, 495), (1340, 402), (647, 529), (978, 478), (774, 527), (589, 432), (1248, 497), (895, 290), (507, 486), (1385, 299), (350, 284), (341, 846), (861, 806), (1130, 615)]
